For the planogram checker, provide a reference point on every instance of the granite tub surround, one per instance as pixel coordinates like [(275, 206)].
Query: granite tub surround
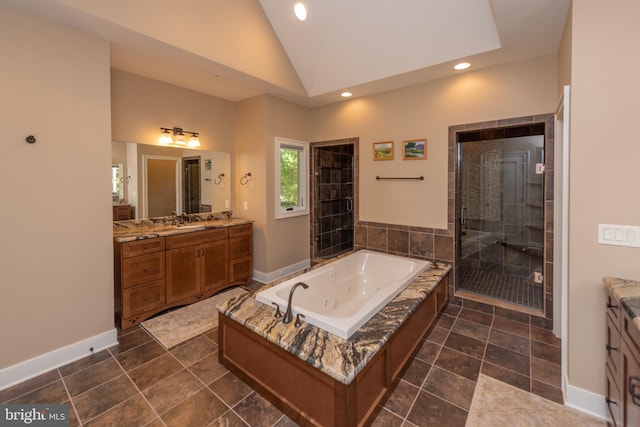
[(627, 294), (137, 229), (341, 359)]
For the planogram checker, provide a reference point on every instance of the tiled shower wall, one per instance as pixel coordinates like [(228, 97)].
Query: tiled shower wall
[(318, 227)]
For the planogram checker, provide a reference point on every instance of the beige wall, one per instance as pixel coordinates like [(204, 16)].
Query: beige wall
[(604, 172), (56, 260), (141, 106), (426, 111), (288, 238), (277, 243), (251, 154)]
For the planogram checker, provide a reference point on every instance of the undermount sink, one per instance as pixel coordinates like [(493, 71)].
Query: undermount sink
[(189, 226)]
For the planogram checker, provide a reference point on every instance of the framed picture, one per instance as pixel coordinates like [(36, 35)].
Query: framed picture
[(415, 149), (383, 150)]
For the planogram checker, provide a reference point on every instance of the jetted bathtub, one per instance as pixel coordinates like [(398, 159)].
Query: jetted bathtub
[(344, 294)]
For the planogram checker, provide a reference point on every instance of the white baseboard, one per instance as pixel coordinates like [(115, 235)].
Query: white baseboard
[(40, 364), (586, 401), (278, 274)]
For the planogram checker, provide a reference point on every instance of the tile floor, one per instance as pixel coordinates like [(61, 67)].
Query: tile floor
[(139, 383)]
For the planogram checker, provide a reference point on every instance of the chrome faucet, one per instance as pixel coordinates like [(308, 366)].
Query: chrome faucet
[(288, 315)]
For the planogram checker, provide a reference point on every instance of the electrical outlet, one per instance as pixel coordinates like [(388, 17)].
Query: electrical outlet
[(537, 277)]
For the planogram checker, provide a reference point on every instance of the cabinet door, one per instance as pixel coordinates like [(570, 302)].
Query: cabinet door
[(183, 273), (214, 271)]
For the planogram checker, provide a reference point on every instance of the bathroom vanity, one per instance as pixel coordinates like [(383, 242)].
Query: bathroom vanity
[(318, 378), (159, 266), (622, 366)]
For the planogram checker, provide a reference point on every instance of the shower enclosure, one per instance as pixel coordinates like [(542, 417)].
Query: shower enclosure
[(333, 199), (501, 227)]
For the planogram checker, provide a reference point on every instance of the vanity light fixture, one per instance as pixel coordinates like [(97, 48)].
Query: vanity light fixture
[(462, 66), (175, 135), (300, 10)]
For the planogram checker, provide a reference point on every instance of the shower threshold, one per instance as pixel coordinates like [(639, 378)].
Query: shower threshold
[(500, 289)]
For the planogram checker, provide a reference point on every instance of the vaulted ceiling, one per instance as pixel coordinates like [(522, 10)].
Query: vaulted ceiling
[(236, 49)]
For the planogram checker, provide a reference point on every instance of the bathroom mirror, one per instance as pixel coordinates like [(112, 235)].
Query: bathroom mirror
[(161, 181)]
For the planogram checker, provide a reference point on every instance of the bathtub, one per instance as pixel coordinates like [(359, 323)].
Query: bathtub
[(344, 294)]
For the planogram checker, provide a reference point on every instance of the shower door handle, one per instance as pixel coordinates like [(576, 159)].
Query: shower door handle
[(463, 216), (349, 204)]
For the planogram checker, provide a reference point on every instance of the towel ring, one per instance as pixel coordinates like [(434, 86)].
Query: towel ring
[(218, 180), (245, 178)]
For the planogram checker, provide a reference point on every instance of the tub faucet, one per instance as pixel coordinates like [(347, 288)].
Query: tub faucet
[(288, 315)]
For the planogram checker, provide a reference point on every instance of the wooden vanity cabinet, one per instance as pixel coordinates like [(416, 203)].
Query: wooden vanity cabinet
[(622, 367), (139, 271), (197, 264), (152, 275), (121, 212)]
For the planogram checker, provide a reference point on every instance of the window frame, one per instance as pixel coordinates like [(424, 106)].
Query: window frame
[(303, 175)]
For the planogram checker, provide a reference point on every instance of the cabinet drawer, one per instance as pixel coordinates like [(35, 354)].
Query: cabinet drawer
[(613, 346), (141, 247), (196, 238), (142, 269), (141, 298), (239, 230), (240, 247), (241, 270)]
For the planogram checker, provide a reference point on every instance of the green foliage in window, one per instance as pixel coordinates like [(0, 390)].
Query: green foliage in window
[(289, 177)]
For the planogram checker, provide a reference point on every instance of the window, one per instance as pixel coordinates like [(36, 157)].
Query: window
[(291, 178), (117, 190)]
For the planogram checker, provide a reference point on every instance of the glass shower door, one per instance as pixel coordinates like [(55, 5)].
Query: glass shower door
[(501, 232)]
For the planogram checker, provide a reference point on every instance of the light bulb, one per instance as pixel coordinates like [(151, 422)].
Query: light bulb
[(194, 141), (300, 10), (165, 138), (180, 140)]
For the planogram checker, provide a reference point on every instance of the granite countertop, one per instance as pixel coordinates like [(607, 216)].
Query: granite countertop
[(627, 294), (130, 230), (340, 358)]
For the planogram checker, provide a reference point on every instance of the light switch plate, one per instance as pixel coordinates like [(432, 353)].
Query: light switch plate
[(619, 235)]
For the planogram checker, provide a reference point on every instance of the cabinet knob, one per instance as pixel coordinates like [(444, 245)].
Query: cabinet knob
[(611, 402), (145, 246), (609, 348), (145, 269), (609, 305)]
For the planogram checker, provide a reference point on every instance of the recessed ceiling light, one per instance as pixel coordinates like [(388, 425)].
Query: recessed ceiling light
[(462, 66), (300, 10), (346, 94)]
